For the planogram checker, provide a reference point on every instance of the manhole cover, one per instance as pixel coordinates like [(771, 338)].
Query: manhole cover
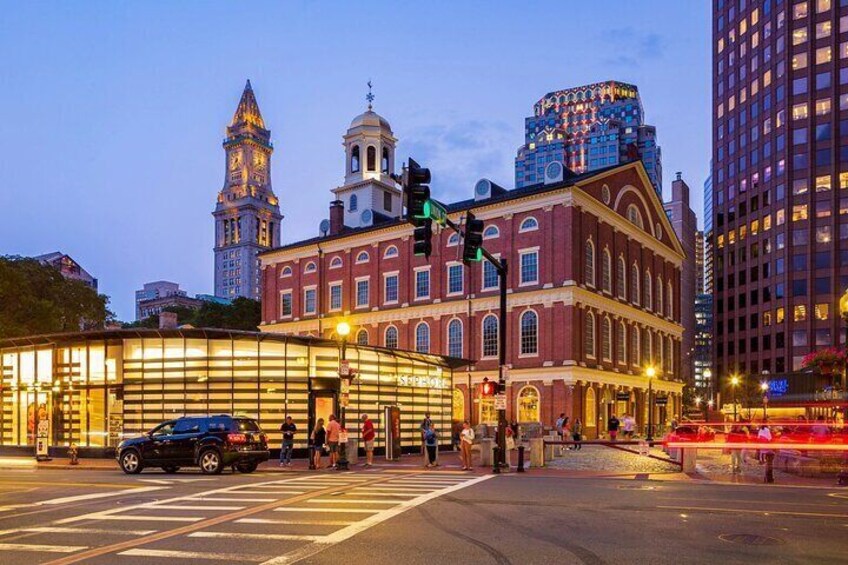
[(138, 500), (750, 539), (636, 487)]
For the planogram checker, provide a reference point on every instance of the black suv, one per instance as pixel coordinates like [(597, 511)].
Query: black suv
[(208, 442)]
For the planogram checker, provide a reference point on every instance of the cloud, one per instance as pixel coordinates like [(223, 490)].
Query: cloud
[(461, 153), (632, 46)]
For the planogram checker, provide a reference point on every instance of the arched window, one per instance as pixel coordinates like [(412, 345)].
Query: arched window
[(648, 296), (362, 337), (528, 224), (606, 340), (490, 336), (634, 347), (354, 159), (391, 337), (491, 232), (362, 257), (529, 333), (458, 405), (286, 272), (455, 338), (670, 301), (453, 239), (354, 203), (621, 344), (528, 404), (371, 153), (422, 338), (606, 271), (621, 278), (589, 266), (310, 267), (589, 335), (645, 342), (660, 309), (591, 409), (670, 350), (661, 354), (335, 262), (391, 251), (635, 216), (384, 164), (634, 284)]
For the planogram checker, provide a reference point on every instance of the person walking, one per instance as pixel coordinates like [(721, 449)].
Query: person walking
[(368, 435), (629, 426), (560, 426), (466, 440), (318, 437), (426, 423), (333, 431), (738, 434), (431, 442), (288, 428), (612, 427), (577, 434)]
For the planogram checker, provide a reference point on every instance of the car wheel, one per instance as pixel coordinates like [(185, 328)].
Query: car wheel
[(131, 462), (247, 467), (210, 462), (171, 469)]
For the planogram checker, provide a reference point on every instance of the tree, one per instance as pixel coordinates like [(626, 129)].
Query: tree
[(37, 299), (242, 314)]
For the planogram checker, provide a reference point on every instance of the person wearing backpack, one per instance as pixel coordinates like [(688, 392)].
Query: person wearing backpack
[(431, 442)]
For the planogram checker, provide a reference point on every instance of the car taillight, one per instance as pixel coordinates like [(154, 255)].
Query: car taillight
[(236, 438)]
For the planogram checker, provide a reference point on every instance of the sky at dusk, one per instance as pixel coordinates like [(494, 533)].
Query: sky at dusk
[(112, 114)]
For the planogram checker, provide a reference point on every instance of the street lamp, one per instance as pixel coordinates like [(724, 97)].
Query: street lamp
[(708, 379), (764, 387), (650, 372), (734, 382), (342, 331)]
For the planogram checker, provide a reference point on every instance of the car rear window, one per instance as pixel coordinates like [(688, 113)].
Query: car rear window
[(245, 425), (220, 424)]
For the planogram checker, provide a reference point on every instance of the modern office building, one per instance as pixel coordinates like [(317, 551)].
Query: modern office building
[(780, 182), (708, 233), (247, 214), (594, 288), (704, 344), (699, 262), (153, 291), (588, 128), (69, 268), (96, 388)]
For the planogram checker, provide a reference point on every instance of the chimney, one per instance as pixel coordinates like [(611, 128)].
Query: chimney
[(167, 321), (336, 217)]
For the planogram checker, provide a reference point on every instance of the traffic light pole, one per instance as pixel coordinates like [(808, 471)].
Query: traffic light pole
[(501, 266)]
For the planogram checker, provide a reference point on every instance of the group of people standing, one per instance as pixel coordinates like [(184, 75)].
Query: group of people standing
[(570, 431), (325, 438)]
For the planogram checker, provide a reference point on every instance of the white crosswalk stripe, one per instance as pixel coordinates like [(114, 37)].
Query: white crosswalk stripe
[(41, 548), (241, 535), (194, 555)]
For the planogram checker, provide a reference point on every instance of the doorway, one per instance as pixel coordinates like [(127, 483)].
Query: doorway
[(322, 403)]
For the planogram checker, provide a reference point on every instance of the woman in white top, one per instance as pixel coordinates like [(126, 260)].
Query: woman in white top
[(466, 440)]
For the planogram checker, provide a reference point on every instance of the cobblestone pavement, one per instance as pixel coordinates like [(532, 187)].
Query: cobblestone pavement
[(714, 465), (610, 460)]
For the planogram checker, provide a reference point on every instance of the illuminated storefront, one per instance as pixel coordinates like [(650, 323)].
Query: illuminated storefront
[(97, 387)]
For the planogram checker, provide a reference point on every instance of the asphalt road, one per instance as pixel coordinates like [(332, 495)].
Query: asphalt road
[(409, 517)]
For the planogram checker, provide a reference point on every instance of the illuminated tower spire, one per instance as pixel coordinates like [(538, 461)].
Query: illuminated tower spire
[(248, 109)]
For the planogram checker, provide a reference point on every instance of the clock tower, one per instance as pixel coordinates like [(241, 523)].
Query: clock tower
[(247, 215)]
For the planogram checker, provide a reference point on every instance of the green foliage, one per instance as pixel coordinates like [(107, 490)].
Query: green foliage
[(37, 299), (242, 314)]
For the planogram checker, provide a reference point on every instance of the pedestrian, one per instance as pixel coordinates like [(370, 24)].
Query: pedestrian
[(820, 431), (368, 435), (629, 426), (431, 442), (288, 428), (612, 426), (510, 445), (738, 434), (466, 438), (426, 424), (333, 431), (318, 437), (763, 435), (560, 427), (577, 434)]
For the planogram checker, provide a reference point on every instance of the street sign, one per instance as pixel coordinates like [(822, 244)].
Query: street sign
[(500, 402), (344, 399), (436, 212), (344, 368), (345, 386), (42, 438)]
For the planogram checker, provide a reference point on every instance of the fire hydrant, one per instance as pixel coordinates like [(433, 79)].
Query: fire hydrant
[(73, 454)]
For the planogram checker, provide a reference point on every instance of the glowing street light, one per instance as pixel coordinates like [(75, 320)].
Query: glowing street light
[(734, 382), (342, 330), (650, 372)]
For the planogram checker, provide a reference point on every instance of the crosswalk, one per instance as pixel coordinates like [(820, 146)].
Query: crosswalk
[(280, 521)]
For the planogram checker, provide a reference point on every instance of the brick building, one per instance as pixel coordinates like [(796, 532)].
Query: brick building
[(594, 289)]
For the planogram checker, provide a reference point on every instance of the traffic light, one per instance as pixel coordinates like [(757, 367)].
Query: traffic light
[(473, 241), (487, 388), (422, 237), (417, 192)]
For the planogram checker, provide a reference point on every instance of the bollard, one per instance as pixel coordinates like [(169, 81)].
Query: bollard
[(537, 452), (73, 454), (496, 468), (769, 478), (520, 459)]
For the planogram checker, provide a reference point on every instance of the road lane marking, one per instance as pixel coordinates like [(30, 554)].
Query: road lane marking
[(93, 496), (329, 510), (60, 530), (44, 548), (348, 532), (129, 518), (230, 499), (194, 507), (296, 522), (350, 501), (389, 494), (240, 535), (271, 492), (749, 511), (231, 557)]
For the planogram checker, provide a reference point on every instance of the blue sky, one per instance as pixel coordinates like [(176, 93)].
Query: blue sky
[(112, 114)]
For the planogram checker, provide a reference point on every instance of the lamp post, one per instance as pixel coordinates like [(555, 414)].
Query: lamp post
[(843, 309), (342, 331), (764, 387), (650, 372), (734, 382), (708, 379)]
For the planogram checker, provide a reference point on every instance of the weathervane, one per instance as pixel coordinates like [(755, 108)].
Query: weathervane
[(370, 96)]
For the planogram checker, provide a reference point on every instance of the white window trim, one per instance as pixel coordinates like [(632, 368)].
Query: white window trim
[(448, 266), (386, 332), (306, 268), (497, 232), (594, 354), (356, 282), (305, 290), (415, 336), (527, 251), (483, 287), (522, 229), (447, 335), (538, 327), (621, 326), (455, 243), (415, 272), (284, 274), (385, 276), (386, 252), (291, 297), (483, 337), (330, 287), (362, 261), (606, 320), (340, 262)]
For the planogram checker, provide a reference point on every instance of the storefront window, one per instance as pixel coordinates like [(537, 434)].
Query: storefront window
[(591, 410), (528, 405), (458, 405)]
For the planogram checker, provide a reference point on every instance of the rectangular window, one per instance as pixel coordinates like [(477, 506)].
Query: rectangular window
[(824, 55), (455, 279), (422, 284), (530, 267), (799, 36), (309, 301), (490, 276), (362, 292), (391, 288), (285, 304), (336, 297), (823, 107), (799, 61)]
